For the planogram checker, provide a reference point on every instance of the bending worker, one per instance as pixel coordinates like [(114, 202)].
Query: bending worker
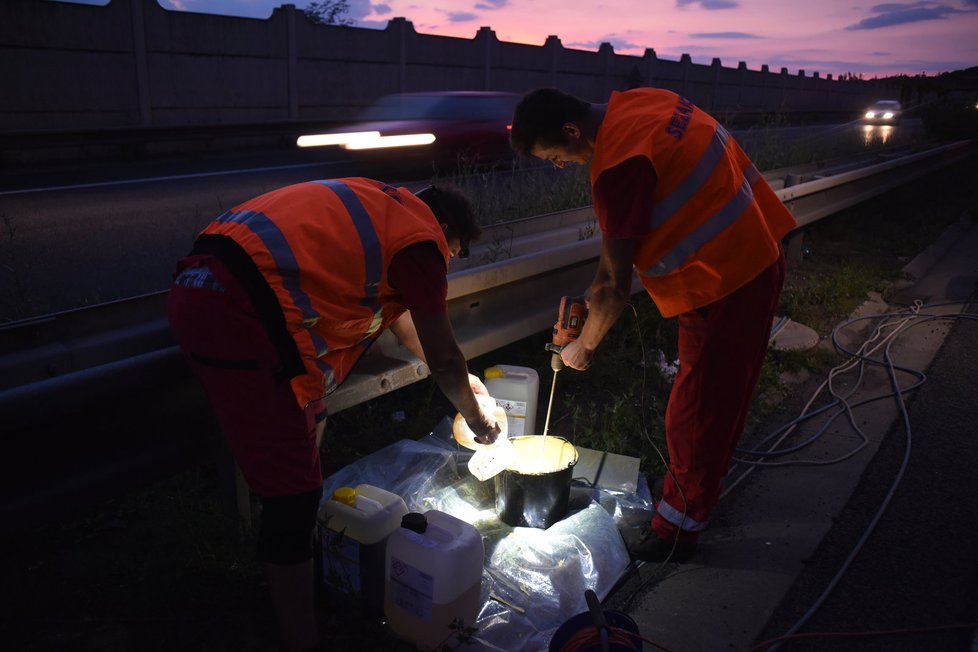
[(679, 202), (278, 300)]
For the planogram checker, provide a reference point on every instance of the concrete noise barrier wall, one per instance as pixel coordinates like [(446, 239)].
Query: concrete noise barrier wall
[(131, 63)]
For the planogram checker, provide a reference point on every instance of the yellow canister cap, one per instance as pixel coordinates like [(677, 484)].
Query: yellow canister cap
[(345, 495), (494, 372)]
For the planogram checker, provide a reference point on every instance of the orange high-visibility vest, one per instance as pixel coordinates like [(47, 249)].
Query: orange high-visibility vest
[(324, 247), (715, 221)]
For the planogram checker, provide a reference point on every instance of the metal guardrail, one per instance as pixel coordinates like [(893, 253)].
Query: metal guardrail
[(509, 289)]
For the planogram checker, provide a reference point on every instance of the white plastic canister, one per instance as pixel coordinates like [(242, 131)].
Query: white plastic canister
[(434, 574), (358, 522), (516, 390)]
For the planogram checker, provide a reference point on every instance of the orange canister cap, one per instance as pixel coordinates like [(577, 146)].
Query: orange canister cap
[(345, 495)]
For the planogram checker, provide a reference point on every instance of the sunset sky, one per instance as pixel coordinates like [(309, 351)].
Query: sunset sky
[(829, 36)]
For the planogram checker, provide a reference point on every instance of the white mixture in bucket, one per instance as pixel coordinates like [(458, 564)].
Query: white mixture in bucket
[(537, 455)]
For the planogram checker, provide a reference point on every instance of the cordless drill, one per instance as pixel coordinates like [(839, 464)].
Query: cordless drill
[(570, 320)]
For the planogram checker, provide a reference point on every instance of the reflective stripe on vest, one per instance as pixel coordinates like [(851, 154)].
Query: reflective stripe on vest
[(368, 240), (273, 239), (715, 152), (276, 244), (686, 190), (373, 265)]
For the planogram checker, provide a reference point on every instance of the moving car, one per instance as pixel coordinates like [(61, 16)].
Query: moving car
[(885, 112), (441, 128)]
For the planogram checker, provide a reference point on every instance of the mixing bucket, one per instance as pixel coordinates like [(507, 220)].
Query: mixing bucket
[(534, 489)]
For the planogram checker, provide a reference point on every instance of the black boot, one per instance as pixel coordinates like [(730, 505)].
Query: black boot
[(653, 549)]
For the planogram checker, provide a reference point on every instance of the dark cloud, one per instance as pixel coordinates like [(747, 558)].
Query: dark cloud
[(890, 14), (725, 35), (382, 9), (710, 5), (491, 4), (617, 42), (460, 16)]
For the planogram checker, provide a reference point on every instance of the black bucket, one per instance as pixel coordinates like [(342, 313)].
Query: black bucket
[(529, 498)]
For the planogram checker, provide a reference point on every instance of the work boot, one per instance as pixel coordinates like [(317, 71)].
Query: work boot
[(654, 549)]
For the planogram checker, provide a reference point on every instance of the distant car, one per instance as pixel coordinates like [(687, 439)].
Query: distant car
[(443, 128), (884, 112)]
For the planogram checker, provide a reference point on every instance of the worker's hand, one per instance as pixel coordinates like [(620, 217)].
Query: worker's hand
[(576, 356), (477, 385), (485, 428)]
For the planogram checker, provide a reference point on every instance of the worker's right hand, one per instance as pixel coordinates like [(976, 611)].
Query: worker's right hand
[(576, 356), (485, 428)]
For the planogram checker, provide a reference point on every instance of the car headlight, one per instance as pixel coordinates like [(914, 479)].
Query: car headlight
[(321, 140), (381, 142), (888, 115), (870, 114)]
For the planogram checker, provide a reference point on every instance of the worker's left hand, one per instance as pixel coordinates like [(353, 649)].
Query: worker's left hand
[(485, 428), (576, 356), (477, 385)]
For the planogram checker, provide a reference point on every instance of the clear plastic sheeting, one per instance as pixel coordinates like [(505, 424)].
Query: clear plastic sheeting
[(533, 580)]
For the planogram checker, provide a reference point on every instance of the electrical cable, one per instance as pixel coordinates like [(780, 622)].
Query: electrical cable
[(897, 394), (847, 408), (860, 359)]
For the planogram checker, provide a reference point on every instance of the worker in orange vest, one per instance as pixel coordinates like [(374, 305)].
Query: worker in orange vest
[(277, 301), (679, 203)]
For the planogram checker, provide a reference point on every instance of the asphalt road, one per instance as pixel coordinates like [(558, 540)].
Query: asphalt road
[(77, 234), (919, 567)]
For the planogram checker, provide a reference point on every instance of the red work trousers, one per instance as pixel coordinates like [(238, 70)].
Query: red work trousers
[(721, 351), (270, 436)]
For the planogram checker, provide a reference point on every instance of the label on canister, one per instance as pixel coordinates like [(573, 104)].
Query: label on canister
[(411, 589), (515, 415)]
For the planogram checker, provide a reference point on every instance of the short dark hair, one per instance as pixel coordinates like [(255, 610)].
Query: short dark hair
[(540, 117), (452, 207)]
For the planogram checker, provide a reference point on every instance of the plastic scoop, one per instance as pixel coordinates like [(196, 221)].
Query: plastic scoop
[(492, 459), (489, 459)]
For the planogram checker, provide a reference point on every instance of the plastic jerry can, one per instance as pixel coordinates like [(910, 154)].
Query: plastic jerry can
[(358, 522), (434, 575), (516, 390)]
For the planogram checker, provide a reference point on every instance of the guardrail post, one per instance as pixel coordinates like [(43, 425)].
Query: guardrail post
[(793, 241)]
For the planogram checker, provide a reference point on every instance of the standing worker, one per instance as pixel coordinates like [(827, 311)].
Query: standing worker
[(680, 202), (273, 307)]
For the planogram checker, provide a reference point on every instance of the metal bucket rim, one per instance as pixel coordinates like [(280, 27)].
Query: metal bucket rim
[(573, 462)]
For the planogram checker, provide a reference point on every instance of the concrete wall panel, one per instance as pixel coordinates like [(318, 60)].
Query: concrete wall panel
[(134, 64)]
